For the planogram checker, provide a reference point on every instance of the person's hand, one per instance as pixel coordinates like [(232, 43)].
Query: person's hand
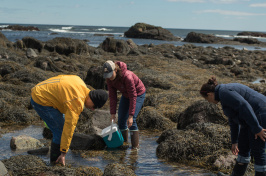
[(62, 159), (112, 117), (261, 134), (235, 149), (129, 121)]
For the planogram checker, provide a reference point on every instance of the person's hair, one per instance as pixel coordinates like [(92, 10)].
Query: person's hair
[(119, 71), (208, 87)]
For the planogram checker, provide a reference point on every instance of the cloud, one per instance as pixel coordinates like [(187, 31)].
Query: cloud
[(258, 5), (231, 13)]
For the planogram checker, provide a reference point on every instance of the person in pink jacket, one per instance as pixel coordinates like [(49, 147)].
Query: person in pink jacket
[(133, 92)]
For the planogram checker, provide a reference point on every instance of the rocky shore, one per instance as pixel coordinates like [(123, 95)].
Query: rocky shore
[(193, 132)]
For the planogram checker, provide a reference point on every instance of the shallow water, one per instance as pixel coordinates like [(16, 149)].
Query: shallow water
[(143, 161)]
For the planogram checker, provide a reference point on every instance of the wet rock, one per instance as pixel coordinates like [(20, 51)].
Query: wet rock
[(3, 170), (247, 40), (255, 34), (115, 169), (66, 46), (154, 81), (92, 171), (19, 163), (30, 42), (101, 118), (24, 142), (48, 64), (7, 67), (200, 112), (185, 146), (208, 139), (149, 118), (31, 53), (115, 46), (19, 44), (87, 142), (146, 31), (3, 40), (40, 151), (95, 77), (202, 38), (21, 28)]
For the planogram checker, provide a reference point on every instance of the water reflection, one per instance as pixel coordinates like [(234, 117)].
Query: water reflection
[(143, 161)]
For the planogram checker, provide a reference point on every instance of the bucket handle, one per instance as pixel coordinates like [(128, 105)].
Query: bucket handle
[(110, 132)]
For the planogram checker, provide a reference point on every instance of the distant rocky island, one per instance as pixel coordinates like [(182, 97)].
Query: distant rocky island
[(20, 28)]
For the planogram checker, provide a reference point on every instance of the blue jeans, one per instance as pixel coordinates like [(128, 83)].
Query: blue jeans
[(123, 112), (53, 118), (248, 145)]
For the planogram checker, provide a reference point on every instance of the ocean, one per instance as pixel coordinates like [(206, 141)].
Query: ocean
[(91, 33)]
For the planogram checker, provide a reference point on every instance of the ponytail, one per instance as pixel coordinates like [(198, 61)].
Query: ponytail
[(208, 87)]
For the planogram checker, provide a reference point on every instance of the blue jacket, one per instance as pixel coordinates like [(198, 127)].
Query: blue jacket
[(240, 104)]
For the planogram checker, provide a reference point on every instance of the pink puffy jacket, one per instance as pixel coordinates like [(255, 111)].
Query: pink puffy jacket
[(130, 86)]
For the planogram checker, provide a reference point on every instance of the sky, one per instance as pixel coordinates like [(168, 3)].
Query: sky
[(239, 15)]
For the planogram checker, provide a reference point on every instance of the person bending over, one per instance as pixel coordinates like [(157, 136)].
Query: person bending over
[(246, 112), (59, 101), (133, 95)]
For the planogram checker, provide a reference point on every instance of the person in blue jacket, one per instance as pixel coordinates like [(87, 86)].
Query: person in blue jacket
[(246, 112)]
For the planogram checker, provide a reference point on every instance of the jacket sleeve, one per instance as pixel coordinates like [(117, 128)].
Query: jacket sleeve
[(132, 93), (74, 108), (242, 107), (112, 97)]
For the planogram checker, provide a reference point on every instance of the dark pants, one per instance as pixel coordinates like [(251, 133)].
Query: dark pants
[(53, 118), (123, 112), (248, 145)]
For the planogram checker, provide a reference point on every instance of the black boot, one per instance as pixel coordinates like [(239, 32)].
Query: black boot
[(239, 169), (260, 173), (54, 152)]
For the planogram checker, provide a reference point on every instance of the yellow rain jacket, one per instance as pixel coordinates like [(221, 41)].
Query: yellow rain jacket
[(67, 93)]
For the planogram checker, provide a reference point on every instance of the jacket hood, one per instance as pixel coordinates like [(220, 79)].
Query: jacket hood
[(123, 67)]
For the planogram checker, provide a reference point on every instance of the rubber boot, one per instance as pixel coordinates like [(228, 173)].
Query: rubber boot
[(239, 169), (54, 152), (134, 139), (260, 173), (125, 135)]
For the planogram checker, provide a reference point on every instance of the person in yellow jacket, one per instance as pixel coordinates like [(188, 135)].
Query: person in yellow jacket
[(59, 101)]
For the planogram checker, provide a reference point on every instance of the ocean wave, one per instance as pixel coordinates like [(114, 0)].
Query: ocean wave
[(3, 26), (103, 29), (67, 28)]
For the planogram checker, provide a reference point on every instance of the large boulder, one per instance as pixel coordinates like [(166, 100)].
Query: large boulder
[(95, 78), (202, 38), (33, 43), (149, 118), (146, 31), (196, 143), (200, 112), (115, 46), (66, 46)]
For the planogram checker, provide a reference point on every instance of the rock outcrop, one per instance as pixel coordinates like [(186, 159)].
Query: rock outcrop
[(146, 31)]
